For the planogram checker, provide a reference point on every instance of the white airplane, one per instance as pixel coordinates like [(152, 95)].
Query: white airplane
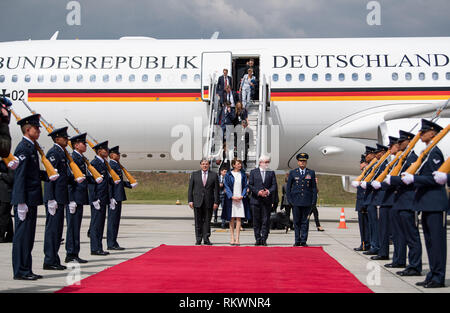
[(326, 97)]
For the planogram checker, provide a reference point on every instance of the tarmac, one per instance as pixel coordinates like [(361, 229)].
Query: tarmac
[(144, 227)]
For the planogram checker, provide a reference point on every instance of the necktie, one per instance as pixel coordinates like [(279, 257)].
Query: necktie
[(226, 81), (204, 179), (263, 174)]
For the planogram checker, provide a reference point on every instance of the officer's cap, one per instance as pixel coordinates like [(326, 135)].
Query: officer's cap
[(302, 156), (428, 125), (5, 101), (381, 148), (101, 145), (32, 120), (370, 150), (363, 158), (405, 136), (59, 132), (392, 141), (114, 150), (78, 138)]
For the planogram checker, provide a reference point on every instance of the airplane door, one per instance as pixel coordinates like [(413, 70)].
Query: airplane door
[(213, 64)]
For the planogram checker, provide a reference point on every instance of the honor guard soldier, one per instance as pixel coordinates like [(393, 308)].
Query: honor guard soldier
[(78, 196), (56, 197), (26, 196), (405, 231), (362, 213), (100, 199), (117, 196), (301, 191), (431, 200)]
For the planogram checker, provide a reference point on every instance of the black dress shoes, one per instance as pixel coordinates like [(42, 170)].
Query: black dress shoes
[(433, 284), (394, 265), (37, 276), (378, 257), (303, 244), (100, 252), (26, 277), (119, 248), (371, 252), (297, 244), (198, 243), (422, 283), (409, 272), (264, 243), (56, 267), (360, 248), (207, 242), (74, 259)]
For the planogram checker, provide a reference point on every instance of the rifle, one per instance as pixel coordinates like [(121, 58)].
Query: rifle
[(385, 172), (10, 158), (113, 174), (415, 166), (372, 173), (51, 172), (445, 168), (396, 170), (79, 176), (362, 176)]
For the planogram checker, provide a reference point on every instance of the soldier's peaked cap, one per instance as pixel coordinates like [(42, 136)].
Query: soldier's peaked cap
[(428, 125), (78, 138), (405, 136), (59, 132), (114, 150), (302, 156), (101, 145), (30, 120)]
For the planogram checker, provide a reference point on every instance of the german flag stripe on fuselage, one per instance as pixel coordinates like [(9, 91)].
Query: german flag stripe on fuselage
[(358, 94), (110, 95)]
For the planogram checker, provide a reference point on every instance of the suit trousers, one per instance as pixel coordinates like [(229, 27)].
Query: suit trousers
[(434, 226), (73, 230), (6, 224), (398, 237), (373, 228), (202, 217), (363, 222), (384, 230), (54, 225), (301, 223), (97, 227), (23, 242), (410, 232), (112, 229), (261, 220)]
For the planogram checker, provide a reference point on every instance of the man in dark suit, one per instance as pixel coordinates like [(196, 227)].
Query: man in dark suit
[(118, 195), (431, 200), (362, 212), (6, 184), (301, 191), (263, 187), (25, 198), (222, 83), (203, 197), (225, 118), (56, 197), (229, 96)]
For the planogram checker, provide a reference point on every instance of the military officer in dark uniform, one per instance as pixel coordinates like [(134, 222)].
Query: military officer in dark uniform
[(56, 197), (6, 185), (362, 213), (100, 199), (431, 200), (78, 196), (301, 191), (26, 196), (117, 196)]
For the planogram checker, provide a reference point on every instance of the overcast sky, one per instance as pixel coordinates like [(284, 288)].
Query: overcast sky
[(192, 19)]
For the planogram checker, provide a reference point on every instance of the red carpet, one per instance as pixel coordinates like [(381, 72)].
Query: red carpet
[(206, 269)]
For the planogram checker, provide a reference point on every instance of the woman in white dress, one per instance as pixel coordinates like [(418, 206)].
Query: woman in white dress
[(236, 191), (247, 83)]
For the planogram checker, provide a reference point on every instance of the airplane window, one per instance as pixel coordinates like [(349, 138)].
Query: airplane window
[(27, 78), (119, 78), (315, 77), (421, 76), (197, 77), (288, 77), (184, 78), (132, 78), (67, 78), (341, 77), (14, 78), (40, 78), (53, 78), (408, 76), (275, 77), (157, 78), (301, 77), (447, 75), (80, 78), (368, 76), (394, 76), (327, 77), (435, 76), (105, 78), (2, 78), (145, 78), (93, 78), (355, 76)]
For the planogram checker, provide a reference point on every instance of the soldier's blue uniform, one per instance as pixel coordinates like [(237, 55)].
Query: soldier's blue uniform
[(27, 190), (99, 192), (363, 221), (117, 193), (431, 200), (301, 191), (56, 190)]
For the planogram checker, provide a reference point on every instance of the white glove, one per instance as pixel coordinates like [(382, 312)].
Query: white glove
[(117, 181), (52, 205), (376, 184), (14, 163), (363, 185), (134, 185), (355, 184), (72, 207), (80, 179), (407, 178), (387, 180), (440, 177), (22, 210), (54, 177), (99, 180), (112, 204), (96, 204)]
